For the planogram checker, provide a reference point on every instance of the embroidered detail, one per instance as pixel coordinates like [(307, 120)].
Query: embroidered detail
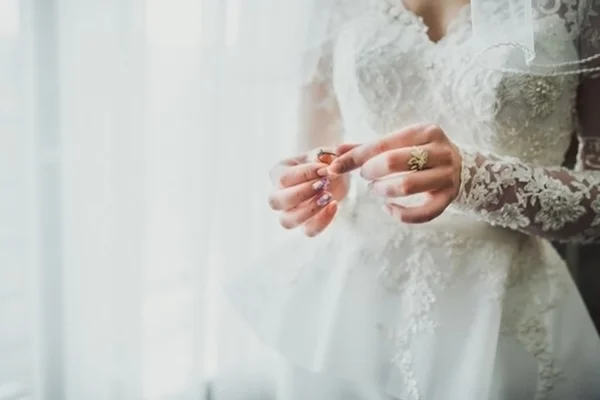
[(551, 202), (538, 93), (386, 77), (418, 280), (541, 94)]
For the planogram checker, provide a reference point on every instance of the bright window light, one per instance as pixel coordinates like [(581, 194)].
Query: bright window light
[(174, 22), (9, 18)]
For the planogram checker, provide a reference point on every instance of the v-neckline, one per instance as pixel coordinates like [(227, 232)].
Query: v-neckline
[(459, 17)]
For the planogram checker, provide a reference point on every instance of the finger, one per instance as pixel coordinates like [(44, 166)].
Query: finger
[(323, 155), (284, 176), (344, 148), (421, 214), (297, 216), (415, 135), (398, 160), (305, 158), (428, 180), (290, 197), (319, 222), (341, 149)]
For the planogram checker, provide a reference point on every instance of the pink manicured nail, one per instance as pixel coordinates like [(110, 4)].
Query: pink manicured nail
[(324, 200), (321, 184)]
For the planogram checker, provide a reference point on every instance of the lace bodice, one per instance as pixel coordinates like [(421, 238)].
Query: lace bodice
[(513, 130), (365, 298)]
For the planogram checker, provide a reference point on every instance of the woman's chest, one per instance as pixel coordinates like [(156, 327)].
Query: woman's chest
[(390, 74)]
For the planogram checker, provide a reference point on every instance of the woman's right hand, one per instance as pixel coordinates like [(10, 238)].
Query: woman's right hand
[(304, 195)]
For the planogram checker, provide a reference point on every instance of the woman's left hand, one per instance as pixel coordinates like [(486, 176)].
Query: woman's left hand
[(425, 150)]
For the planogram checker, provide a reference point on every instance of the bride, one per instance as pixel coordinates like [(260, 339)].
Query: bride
[(425, 193)]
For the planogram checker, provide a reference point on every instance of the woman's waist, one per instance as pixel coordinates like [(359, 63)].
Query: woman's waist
[(364, 213), (452, 242)]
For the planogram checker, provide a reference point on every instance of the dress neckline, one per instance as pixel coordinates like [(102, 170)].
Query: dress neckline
[(461, 17)]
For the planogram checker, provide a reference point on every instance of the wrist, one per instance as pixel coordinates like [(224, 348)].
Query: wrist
[(467, 163), (464, 200)]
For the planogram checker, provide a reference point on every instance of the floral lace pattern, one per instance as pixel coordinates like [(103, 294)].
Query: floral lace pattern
[(514, 189), (518, 124), (321, 124), (555, 203), (382, 73), (419, 279)]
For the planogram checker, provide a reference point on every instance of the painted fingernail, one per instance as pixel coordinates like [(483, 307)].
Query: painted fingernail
[(324, 200), (321, 184)]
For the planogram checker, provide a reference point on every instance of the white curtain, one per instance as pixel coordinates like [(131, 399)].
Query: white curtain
[(132, 169)]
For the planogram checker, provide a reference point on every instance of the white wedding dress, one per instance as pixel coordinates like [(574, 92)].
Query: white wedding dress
[(474, 305)]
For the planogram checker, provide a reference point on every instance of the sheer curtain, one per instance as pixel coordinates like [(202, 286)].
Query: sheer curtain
[(130, 157)]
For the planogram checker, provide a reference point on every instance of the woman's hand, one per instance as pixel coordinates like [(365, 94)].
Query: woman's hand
[(304, 194), (425, 151)]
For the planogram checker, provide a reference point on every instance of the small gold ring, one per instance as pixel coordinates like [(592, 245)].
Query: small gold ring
[(418, 159)]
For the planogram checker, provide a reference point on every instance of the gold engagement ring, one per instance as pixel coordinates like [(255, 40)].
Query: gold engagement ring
[(418, 159)]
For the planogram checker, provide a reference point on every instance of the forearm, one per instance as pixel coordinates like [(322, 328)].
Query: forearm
[(554, 203), (318, 123), (319, 115)]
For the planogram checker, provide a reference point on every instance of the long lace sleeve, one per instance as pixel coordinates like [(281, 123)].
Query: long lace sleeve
[(320, 122), (319, 117), (556, 203)]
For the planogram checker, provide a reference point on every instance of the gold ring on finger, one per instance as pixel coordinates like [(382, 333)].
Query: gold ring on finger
[(418, 159)]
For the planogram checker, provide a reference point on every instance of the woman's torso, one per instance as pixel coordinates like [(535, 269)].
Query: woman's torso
[(389, 74)]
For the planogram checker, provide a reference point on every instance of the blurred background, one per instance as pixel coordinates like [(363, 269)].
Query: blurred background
[(125, 144), (128, 154)]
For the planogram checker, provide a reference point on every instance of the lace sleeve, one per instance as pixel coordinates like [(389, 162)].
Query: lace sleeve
[(320, 119), (556, 203), (320, 123)]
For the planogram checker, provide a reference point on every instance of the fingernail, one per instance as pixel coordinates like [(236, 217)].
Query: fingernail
[(324, 200), (387, 209), (321, 184), (322, 172)]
